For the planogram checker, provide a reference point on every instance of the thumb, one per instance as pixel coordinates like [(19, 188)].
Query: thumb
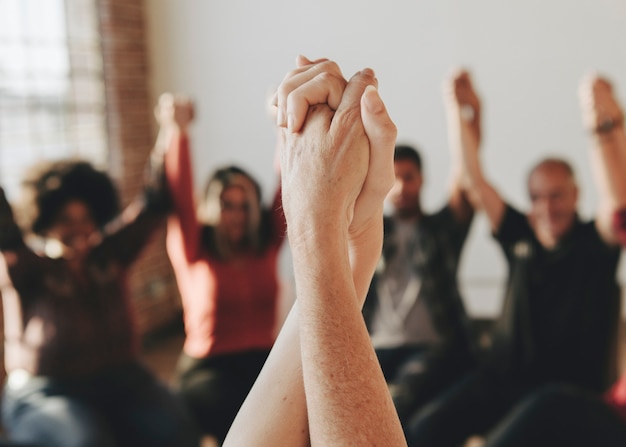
[(381, 132)]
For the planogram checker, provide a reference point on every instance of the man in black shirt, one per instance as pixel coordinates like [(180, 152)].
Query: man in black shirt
[(561, 306)]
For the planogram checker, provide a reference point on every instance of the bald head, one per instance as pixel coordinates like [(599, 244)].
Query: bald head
[(553, 166), (554, 197)]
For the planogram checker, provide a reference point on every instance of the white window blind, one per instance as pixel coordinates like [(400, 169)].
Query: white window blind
[(52, 102)]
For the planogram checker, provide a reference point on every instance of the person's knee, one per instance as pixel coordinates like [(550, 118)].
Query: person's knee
[(551, 400), (58, 422)]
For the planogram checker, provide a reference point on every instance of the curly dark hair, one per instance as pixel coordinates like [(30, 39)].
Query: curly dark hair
[(49, 185)]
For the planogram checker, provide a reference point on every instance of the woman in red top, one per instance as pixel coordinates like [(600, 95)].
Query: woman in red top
[(224, 253)]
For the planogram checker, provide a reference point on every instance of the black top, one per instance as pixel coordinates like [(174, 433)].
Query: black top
[(561, 307)]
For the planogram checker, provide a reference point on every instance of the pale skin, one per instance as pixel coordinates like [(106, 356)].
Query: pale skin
[(74, 228), (322, 384), (552, 190), (608, 150)]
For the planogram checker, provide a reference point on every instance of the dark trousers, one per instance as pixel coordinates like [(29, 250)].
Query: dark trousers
[(417, 374), (560, 416), (472, 406), (215, 387)]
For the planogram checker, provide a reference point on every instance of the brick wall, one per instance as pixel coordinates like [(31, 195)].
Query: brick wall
[(131, 135)]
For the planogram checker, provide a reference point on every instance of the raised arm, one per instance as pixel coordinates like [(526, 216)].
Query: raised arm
[(604, 118), (324, 172), (464, 132), (19, 261), (279, 391), (460, 201), (174, 115), (125, 236), (10, 234), (275, 413)]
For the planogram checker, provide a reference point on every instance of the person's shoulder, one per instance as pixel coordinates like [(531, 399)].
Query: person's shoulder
[(442, 214), (513, 227), (587, 231), (444, 219)]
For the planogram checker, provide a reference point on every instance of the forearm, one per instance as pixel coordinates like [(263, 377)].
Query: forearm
[(277, 395), (10, 234), (179, 181), (478, 190), (608, 155), (255, 422), (331, 325)]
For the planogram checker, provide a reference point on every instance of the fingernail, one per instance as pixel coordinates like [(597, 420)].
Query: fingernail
[(368, 72), (372, 100)]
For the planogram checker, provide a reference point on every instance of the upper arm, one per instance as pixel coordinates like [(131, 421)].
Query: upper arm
[(492, 203), (19, 261), (480, 196), (514, 227), (127, 235), (10, 235), (460, 204)]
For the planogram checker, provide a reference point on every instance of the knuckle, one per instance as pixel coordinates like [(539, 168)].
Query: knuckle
[(329, 66)]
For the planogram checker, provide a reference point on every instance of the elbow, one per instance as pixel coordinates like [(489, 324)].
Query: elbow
[(473, 194)]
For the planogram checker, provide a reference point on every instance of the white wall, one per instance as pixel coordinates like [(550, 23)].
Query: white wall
[(526, 57)]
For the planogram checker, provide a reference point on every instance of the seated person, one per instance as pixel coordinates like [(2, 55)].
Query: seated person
[(322, 384), (560, 312), (562, 415), (225, 256), (414, 311), (71, 347)]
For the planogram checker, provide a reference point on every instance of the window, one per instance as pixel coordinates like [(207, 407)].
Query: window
[(52, 101)]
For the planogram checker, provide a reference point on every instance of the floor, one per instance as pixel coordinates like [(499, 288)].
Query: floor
[(160, 353)]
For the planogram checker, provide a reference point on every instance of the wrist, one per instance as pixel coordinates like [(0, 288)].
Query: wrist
[(310, 235), (608, 125)]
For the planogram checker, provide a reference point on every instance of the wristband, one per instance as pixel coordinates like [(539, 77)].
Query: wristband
[(608, 125)]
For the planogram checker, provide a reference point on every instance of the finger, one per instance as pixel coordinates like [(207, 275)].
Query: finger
[(298, 77), (270, 107), (322, 89), (302, 61), (381, 133), (351, 100), (302, 64)]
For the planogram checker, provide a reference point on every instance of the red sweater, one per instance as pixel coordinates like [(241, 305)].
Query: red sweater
[(228, 306)]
